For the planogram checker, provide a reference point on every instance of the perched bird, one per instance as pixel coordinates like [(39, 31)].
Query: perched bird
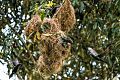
[(54, 9), (92, 52), (65, 40), (95, 55), (15, 69)]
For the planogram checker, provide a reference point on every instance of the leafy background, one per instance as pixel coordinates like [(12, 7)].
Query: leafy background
[(98, 27)]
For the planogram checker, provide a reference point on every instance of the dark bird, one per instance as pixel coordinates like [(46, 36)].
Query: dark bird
[(54, 9), (15, 69), (65, 40)]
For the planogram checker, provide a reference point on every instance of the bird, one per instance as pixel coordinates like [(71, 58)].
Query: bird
[(65, 41), (92, 52), (95, 55), (15, 69)]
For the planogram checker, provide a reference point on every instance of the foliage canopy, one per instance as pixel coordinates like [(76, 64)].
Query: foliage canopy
[(98, 27)]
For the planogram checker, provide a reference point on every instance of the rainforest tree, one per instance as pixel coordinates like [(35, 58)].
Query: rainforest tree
[(95, 38)]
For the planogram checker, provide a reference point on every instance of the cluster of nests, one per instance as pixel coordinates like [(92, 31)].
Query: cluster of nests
[(54, 45)]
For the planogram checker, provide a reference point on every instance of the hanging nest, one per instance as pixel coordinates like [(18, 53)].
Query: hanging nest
[(46, 66), (36, 27), (66, 16), (53, 43), (53, 54)]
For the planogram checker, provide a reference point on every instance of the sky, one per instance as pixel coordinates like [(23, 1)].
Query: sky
[(3, 73)]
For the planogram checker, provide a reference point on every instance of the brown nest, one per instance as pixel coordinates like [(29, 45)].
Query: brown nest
[(51, 44), (53, 54), (32, 25), (66, 16)]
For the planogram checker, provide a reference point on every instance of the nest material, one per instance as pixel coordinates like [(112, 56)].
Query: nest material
[(47, 67), (52, 31), (64, 20), (51, 24), (53, 54), (52, 43), (32, 25), (36, 25), (66, 16)]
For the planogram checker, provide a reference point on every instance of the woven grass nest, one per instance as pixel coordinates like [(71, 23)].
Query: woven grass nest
[(54, 45), (53, 54)]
